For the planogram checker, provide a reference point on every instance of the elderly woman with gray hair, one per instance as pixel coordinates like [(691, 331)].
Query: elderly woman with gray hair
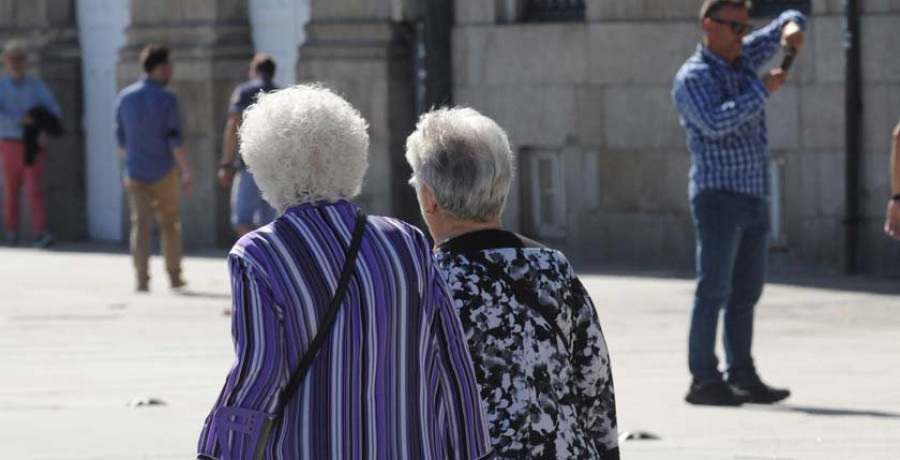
[(347, 345), (540, 356)]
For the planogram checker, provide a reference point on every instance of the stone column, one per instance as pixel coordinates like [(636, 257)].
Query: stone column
[(211, 45), (49, 29), (363, 50)]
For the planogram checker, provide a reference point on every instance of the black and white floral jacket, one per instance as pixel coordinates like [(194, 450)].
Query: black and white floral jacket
[(544, 370)]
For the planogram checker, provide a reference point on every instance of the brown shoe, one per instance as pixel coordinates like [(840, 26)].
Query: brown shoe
[(178, 284)]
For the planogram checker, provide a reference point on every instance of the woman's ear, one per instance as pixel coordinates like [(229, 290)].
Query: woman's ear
[(427, 200)]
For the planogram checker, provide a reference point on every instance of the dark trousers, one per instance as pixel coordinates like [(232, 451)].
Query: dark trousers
[(732, 245)]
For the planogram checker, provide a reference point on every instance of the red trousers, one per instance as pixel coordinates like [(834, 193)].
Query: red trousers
[(15, 174)]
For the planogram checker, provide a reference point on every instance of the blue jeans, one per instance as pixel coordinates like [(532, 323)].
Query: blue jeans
[(248, 207), (732, 246)]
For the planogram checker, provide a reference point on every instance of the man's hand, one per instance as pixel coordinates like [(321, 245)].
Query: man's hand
[(226, 177), (792, 37), (775, 79), (892, 224), (187, 183)]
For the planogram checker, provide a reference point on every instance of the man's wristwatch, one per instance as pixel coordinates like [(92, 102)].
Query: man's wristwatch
[(227, 166), (896, 197)]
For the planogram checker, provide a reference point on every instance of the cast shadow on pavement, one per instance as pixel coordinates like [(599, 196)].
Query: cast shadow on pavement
[(94, 247), (878, 285), (204, 295), (827, 412)]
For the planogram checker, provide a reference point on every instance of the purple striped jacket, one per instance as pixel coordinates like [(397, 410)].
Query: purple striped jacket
[(393, 380)]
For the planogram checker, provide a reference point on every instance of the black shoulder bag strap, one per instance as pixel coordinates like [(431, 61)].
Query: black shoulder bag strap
[(297, 378), (524, 293), (309, 357)]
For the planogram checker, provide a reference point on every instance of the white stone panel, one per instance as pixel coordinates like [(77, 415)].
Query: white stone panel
[(641, 117), (102, 33), (822, 116), (881, 48), (826, 35), (783, 111), (278, 29), (523, 54), (639, 52), (881, 112), (470, 12)]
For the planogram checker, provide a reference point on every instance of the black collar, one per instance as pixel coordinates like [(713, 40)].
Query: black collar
[(483, 240)]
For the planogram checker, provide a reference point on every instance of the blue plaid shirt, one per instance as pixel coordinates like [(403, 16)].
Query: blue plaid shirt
[(723, 110)]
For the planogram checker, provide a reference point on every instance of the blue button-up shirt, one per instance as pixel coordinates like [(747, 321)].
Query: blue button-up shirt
[(16, 99), (723, 110), (149, 129)]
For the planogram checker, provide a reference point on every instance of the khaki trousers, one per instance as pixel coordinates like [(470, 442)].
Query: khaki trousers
[(162, 197)]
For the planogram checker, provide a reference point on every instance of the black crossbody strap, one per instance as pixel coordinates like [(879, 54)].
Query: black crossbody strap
[(309, 357), (524, 293)]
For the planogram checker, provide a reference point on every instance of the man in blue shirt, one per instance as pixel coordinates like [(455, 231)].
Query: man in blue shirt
[(248, 209), (20, 93), (149, 133), (722, 103)]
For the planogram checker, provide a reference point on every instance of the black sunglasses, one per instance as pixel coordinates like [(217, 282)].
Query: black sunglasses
[(738, 28)]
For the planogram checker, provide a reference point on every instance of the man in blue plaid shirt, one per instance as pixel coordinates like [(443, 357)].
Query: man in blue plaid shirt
[(722, 102)]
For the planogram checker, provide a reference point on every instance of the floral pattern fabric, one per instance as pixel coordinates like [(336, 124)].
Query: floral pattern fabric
[(545, 396)]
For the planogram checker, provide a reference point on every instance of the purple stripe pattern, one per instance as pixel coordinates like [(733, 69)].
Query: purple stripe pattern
[(394, 378)]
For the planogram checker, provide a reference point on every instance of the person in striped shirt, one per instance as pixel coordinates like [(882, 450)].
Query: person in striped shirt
[(393, 378), (722, 103)]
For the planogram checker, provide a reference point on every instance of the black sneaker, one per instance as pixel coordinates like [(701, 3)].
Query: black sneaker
[(713, 393), (757, 392), (44, 240)]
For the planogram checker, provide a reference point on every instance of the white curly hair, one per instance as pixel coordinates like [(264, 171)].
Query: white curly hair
[(466, 160), (304, 144)]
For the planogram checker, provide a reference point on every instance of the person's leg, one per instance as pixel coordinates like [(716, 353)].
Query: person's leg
[(718, 234), (167, 192), (140, 200), (747, 287), (243, 199), (34, 186), (749, 278), (13, 156)]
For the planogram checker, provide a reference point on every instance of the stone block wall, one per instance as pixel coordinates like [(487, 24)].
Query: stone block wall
[(603, 86), (49, 29), (363, 52)]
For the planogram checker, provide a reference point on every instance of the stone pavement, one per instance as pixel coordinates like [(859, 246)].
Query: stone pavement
[(76, 346)]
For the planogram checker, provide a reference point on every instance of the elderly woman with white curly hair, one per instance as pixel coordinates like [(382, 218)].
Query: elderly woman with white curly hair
[(540, 356), (346, 340)]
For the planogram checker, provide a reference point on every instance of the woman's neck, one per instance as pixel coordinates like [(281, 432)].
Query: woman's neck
[(454, 228)]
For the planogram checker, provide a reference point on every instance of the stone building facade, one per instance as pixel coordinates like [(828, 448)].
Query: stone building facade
[(584, 95), (52, 33), (590, 100)]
